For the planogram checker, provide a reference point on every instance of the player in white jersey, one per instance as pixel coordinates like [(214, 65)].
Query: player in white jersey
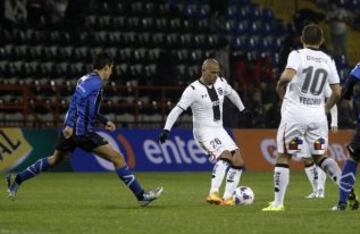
[(304, 110), (315, 175), (206, 96)]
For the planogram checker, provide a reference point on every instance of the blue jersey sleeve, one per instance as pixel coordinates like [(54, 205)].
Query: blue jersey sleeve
[(356, 71), (350, 82), (70, 116)]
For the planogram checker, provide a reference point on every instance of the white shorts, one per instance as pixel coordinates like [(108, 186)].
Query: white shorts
[(214, 141), (292, 134), (304, 152)]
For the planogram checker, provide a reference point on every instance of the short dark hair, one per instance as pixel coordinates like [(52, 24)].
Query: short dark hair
[(101, 60), (312, 34)]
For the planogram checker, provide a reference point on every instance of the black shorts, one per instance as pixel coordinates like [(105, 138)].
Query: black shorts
[(86, 142), (354, 145)]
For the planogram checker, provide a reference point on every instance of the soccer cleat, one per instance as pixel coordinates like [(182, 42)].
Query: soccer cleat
[(150, 196), (227, 202), (353, 200), (273, 208), (312, 195), (321, 193), (214, 198), (339, 207), (12, 186)]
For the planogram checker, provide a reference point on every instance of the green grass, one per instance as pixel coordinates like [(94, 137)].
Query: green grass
[(99, 203)]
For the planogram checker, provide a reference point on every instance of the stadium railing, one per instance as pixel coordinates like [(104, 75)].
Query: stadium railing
[(44, 106)]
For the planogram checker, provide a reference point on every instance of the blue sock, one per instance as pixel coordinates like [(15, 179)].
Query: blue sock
[(129, 179), (33, 170), (347, 180)]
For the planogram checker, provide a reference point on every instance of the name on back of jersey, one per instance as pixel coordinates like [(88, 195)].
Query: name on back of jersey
[(310, 101), (316, 59)]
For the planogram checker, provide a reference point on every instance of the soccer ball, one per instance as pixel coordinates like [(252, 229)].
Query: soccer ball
[(243, 195)]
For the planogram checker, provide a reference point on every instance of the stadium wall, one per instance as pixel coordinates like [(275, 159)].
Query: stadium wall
[(21, 147)]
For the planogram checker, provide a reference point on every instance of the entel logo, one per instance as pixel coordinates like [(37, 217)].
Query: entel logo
[(268, 150), (177, 151), (174, 151)]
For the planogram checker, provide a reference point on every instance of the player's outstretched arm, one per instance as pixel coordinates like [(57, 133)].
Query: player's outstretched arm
[(236, 100), (170, 121), (334, 118), (70, 115)]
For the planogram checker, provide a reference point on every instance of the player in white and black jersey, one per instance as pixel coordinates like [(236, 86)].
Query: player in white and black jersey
[(304, 110), (206, 96), (315, 175)]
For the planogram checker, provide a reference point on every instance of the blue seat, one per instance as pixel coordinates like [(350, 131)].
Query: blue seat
[(190, 9), (341, 62), (254, 13), (231, 12), (267, 15), (203, 12), (269, 42), (239, 43), (255, 28), (230, 25), (266, 29), (264, 45), (278, 43), (252, 43), (279, 28), (243, 13), (242, 27)]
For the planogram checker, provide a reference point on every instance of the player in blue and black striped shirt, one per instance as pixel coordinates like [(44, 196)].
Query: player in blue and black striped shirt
[(79, 132)]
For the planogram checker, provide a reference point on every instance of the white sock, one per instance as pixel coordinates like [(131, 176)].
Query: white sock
[(312, 175), (232, 181), (218, 174), (321, 179), (281, 181), (332, 169)]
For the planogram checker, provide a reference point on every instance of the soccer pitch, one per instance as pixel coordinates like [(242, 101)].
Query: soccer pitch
[(100, 203)]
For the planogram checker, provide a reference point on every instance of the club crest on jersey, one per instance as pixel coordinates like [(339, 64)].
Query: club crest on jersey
[(220, 91), (295, 144), (319, 144)]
